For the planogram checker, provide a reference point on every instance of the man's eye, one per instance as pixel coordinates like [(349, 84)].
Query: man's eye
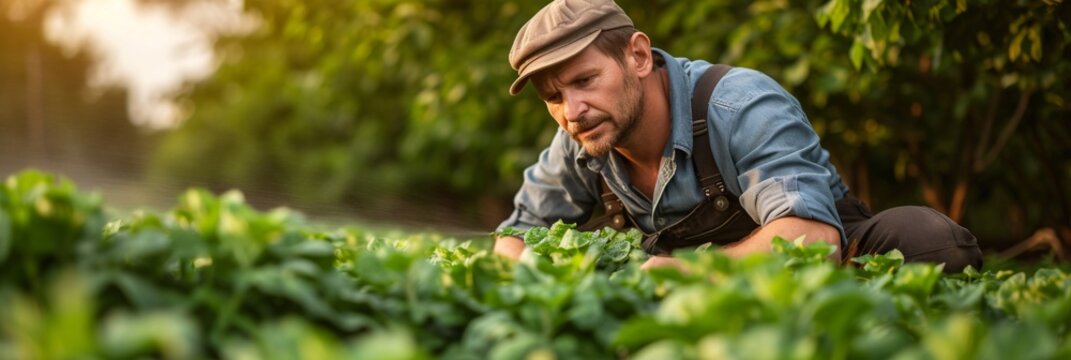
[(584, 80), (553, 98)]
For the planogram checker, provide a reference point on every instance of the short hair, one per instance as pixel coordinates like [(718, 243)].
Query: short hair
[(612, 42)]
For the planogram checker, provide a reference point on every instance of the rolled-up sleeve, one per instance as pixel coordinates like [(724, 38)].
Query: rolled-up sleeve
[(783, 170), (555, 188)]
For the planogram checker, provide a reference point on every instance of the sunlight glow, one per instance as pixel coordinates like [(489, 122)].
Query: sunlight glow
[(150, 49)]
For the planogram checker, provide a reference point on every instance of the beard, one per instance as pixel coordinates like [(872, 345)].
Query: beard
[(628, 110)]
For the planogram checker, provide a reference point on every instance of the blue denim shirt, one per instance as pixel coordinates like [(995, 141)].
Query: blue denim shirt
[(760, 138)]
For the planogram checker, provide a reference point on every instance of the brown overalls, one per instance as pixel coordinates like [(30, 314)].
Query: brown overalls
[(718, 219)]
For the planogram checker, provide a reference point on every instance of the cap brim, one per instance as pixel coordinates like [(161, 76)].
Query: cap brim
[(550, 58)]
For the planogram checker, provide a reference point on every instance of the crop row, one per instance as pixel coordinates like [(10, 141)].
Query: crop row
[(215, 278)]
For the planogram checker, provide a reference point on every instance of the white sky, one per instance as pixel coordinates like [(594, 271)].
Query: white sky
[(149, 49)]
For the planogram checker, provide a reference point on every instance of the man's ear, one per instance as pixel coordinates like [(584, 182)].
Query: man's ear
[(638, 52)]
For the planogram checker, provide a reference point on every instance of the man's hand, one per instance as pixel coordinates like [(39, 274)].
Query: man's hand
[(663, 261), (789, 227), (509, 246)]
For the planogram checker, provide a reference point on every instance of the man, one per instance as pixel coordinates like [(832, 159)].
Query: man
[(749, 168)]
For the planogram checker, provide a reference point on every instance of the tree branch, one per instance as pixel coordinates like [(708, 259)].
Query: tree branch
[(987, 128), (930, 192), (964, 168), (1044, 238), (1041, 152), (1006, 133)]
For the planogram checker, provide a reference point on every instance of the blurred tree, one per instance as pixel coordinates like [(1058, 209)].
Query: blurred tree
[(963, 103), (958, 104), (982, 76), (48, 115), (360, 101)]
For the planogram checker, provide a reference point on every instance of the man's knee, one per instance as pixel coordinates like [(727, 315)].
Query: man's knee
[(923, 234)]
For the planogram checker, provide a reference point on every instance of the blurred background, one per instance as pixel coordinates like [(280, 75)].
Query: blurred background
[(396, 112)]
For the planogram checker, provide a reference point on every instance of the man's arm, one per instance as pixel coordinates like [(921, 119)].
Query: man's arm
[(789, 227), (786, 181), (780, 165), (509, 246)]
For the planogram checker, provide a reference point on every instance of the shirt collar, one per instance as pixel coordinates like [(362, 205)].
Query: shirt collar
[(679, 109), (680, 91)]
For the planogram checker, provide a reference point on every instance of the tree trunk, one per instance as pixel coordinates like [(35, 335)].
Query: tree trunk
[(35, 117), (931, 192)]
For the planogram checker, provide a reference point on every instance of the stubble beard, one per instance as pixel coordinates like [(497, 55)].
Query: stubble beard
[(630, 108)]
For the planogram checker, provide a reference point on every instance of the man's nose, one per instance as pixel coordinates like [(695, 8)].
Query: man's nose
[(575, 107)]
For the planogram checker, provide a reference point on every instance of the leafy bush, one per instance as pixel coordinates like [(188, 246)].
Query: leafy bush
[(215, 278)]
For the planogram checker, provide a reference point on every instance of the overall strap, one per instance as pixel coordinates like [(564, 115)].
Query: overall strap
[(709, 176), (615, 208)]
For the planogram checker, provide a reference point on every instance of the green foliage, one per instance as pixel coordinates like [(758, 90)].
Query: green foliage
[(43, 220), (940, 96), (330, 98), (606, 249), (214, 278)]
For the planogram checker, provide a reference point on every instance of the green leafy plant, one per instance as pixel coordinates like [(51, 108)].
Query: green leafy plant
[(214, 277)]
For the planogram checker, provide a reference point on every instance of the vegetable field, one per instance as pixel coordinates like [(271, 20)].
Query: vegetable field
[(215, 278)]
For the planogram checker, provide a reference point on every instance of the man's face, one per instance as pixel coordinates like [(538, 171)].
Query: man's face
[(594, 98)]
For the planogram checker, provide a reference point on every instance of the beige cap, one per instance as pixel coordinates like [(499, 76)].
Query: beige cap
[(559, 31)]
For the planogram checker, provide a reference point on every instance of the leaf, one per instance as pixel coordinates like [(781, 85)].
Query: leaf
[(5, 231), (822, 15), (535, 236), (521, 346), (298, 246), (839, 13), (489, 329), (293, 338), (1019, 340), (868, 8), (559, 228), (1035, 42), (617, 251), (879, 30), (839, 312), (883, 341), (966, 298), (170, 333), (881, 264), (666, 349), (961, 6), (393, 344), (971, 273), (644, 329), (143, 294), (510, 231), (569, 239), (857, 53), (1016, 46), (142, 246), (917, 279), (954, 338), (797, 73), (587, 311)]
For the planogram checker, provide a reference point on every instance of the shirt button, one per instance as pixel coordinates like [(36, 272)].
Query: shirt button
[(661, 221)]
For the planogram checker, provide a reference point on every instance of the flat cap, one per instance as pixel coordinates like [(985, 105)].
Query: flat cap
[(559, 31)]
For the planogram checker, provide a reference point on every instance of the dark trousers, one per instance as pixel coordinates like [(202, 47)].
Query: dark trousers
[(920, 233)]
